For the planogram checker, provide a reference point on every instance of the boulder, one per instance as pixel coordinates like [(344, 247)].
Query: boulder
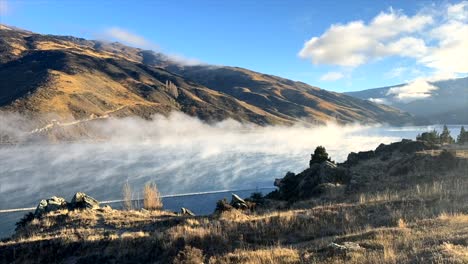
[(355, 158), (343, 248), (187, 212), (48, 205), (278, 183), (83, 201), (327, 171), (238, 202)]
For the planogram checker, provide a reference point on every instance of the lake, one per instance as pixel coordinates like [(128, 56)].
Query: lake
[(180, 160)]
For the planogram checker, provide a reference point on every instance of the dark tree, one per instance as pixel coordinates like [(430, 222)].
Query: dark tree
[(463, 137), (445, 137), (430, 137), (320, 155)]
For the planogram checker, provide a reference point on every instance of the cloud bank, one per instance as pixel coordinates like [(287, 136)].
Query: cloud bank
[(432, 38), (129, 38), (416, 90), (356, 42), (126, 37)]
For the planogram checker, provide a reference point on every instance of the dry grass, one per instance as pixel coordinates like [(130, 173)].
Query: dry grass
[(389, 232), (271, 255), (127, 196), (151, 197)]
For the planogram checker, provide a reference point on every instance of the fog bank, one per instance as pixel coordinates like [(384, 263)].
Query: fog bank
[(180, 153)]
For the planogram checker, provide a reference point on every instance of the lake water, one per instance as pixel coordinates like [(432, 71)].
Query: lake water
[(181, 160)]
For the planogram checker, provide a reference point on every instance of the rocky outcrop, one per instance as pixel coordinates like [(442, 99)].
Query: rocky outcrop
[(384, 152), (354, 158), (405, 146), (312, 181), (83, 201), (79, 201), (238, 202), (48, 205), (406, 157)]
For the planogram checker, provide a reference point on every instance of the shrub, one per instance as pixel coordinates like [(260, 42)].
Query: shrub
[(189, 255), (127, 196), (24, 221), (223, 206), (463, 136), (152, 197), (320, 155), (430, 137), (257, 197), (445, 137)]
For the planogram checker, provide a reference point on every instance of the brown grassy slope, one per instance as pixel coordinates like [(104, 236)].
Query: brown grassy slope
[(212, 93), (284, 97), (424, 219), (68, 78)]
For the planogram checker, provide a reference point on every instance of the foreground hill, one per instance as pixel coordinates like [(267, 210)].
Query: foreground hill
[(402, 203), (448, 104), (67, 78)]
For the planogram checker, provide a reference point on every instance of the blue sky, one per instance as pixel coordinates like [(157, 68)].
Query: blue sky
[(271, 36)]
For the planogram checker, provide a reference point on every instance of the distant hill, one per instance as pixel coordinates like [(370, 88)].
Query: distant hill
[(68, 78), (447, 104)]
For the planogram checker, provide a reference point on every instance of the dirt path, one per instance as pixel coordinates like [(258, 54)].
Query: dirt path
[(56, 123)]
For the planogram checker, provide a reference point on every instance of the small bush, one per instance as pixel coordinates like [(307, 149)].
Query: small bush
[(223, 206), (127, 196), (152, 197), (320, 155), (257, 198), (189, 255), (24, 221)]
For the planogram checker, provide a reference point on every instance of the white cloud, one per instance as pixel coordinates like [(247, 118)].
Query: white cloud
[(177, 58), (379, 100), (126, 37), (451, 53), (332, 76), (436, 38), (356, 43), (416, 90), (458, 11)]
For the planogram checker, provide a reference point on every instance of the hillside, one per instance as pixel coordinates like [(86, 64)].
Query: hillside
[(401, 203), (447, 104), (67, 78)]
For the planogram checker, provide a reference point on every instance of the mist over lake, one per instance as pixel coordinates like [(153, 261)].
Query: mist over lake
[(186, 156)]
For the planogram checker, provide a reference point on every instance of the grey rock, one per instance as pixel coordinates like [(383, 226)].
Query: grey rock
[(185, 211), (48, 205), (238, 202), (345, 247), (83, 201), (327, 171)]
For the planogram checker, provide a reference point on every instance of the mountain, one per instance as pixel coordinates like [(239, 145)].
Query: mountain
[(67, 78), (447, 103)]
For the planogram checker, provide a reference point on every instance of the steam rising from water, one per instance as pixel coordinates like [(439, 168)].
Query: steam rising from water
[(180, 153)]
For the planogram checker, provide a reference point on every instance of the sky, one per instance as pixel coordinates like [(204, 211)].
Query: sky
[(336, 45)]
